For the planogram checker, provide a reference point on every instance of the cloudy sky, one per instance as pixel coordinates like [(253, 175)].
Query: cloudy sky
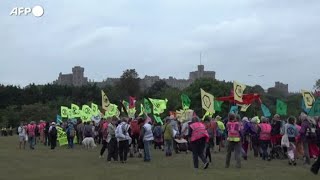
[(237, 38)]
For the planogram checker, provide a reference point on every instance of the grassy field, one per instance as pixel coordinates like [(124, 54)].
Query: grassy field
[(79, 164)]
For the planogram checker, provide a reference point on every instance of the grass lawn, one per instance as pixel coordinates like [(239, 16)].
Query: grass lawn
[(79, 164)]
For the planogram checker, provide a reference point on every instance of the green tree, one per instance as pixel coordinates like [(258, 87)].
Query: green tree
[(129, 84)]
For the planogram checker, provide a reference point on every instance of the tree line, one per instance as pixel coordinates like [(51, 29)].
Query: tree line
[(35, 102)]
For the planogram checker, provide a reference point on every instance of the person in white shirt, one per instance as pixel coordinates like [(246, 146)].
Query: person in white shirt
[(124, 139), (22, 135)]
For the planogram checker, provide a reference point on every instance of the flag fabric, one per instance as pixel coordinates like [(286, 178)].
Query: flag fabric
[(86, 113), (315, 110), (141, 110), (125, 107), (234, 109), (244, 107), (265, 111), (75, 110), (303, 106), (281, 107), (209, 114), (207, 101), (159, 105), (308, 98), (64, 111), (132, 102), (105, 100), (185, 101), (131, 113), (238, 90), (70, 114), (147, 106), (94, 109), (158, 119), (217, 105), (58, 119), (112, 111)]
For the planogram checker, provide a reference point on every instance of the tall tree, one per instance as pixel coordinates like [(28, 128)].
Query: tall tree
[(129, 84)]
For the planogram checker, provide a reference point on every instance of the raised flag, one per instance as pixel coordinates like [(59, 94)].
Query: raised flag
[(185, 101), (303, 106), (125, 107), (315, 110), (141, 110), (58, 119), (94, 109), (217, 105), (64, 111), (244, 107), (234, 109), (132, 102), (75, 110), (238, 90), (158, 119), (159, 105), (105, 100), (147, 106), (265, 111), (281, 107), (308, 98), (207, 101)]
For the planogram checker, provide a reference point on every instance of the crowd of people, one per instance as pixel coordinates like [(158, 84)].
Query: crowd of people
[(276, 138)]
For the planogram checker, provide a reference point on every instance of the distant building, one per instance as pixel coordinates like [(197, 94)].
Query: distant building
[(75, 79), (201, 73), (279, 87)]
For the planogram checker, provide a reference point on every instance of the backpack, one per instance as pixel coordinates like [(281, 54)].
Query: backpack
[(311, 132), (72, 132), (157, 132), (53, 132)]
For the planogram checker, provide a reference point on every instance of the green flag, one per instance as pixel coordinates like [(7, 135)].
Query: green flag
[(75, 110), (64, 111), (94, 109), (185, 101), (159, 105), (126, 106), (158, 119), (217, 105), (112, 111), (86, 113), (281, 107), (141, 110), (265, 111), (315, 110), (147, 106)]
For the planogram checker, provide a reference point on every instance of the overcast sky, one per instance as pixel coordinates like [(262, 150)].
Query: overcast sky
[(237, 38)]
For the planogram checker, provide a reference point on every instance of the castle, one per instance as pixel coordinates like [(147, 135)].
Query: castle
[(77, 79)]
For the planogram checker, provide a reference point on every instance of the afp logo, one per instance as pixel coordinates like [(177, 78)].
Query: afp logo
[(37, 11)]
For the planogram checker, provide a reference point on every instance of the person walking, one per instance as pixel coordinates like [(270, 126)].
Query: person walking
[(112, 141), (53, 133), (167, 136), (198, 137), (316, 165), (104, 131), (305, 127), (31, 132), (147, 137), (70, 135), (234, 129), (264, 132), (22, 135), (292, 132), (124, 139)]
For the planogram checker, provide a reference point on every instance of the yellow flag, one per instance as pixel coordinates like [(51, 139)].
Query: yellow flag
[(308, 98), (244, 107), (105, 101), (238, 90), (207, 101)]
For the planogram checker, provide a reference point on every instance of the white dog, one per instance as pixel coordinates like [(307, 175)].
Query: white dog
[(88, 142)]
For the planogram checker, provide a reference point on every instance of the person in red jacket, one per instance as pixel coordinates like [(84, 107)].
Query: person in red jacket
[(198, 137), (31, 131), (264, 132)]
